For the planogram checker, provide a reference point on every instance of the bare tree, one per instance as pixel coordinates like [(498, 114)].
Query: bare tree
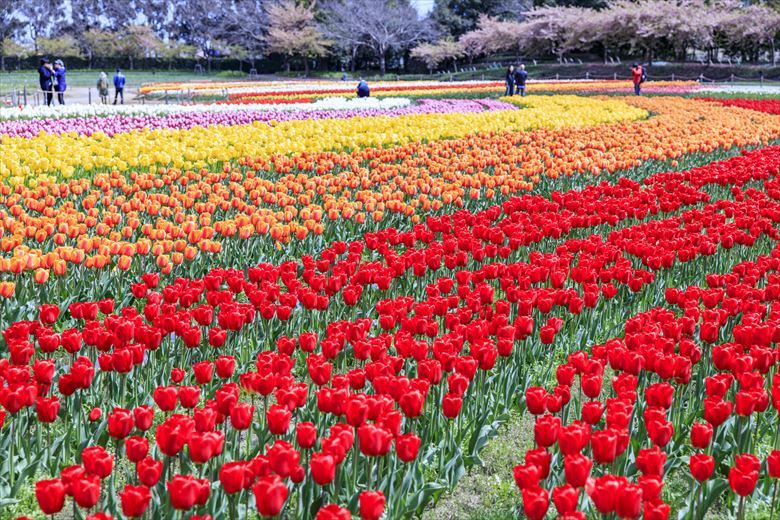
[(245, 23), (340, 25), (387, 25)]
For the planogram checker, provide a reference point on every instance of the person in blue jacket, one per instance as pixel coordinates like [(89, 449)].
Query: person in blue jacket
[(362, 89), (61, 84), (45, 74), (119, 86), (520, 78)]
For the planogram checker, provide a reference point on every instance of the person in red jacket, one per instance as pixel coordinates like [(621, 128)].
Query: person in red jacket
[(637, 76)]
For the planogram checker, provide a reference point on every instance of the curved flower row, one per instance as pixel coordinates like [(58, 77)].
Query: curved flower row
[(112, 125), (195, 147), (221, 395), (770, 106), (248, 94), (87, 111)]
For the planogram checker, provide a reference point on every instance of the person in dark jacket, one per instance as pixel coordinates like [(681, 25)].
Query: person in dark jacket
[(520, 78), (510, 81), (61, 85), (45, 74), (362, 89), (119, 86)]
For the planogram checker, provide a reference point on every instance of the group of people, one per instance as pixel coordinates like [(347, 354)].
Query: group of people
[(51, 79), (515, 80)]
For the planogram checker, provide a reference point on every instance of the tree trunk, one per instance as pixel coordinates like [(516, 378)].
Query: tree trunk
[(287, 63), (352, 64), (774, 60), (305, 67), (2, 61), (131, 61)]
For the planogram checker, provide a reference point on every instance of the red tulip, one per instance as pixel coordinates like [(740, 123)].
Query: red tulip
[(50, 495), (204, 372), (270, 495), (120, 423), (47, 409), (374, 441), (536, 501), (701, 466), (628, 503), (565, 498), (183, 492), (241, 416), (546, 430), (277, 418), (451, 405), (135, 500), (701, 435), (235, 476), (144, 416), (372, 505), (323, 468), (165, 397), (86, 490), (148, 471), (333, 512), (604, 445), (136, 448), (49, 313), (773, 464), (305, 434), (526, 476), (407, 446), (97, 461), (225, 365), (576, 469), (742, 480)]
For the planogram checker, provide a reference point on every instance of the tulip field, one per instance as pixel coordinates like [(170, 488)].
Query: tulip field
[(295, 304)]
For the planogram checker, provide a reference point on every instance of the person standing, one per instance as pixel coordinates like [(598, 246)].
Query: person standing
[(637, 75), (119, 86), (520, 78), (510, 81), (102, 87), (45, 75), (60, 85), (362, 89)]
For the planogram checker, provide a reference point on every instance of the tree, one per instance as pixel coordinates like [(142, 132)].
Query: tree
[(196, 22), (491, 36), (9, 24), (40, 16), (383, 25), (98, 43), (341, 27), (245, 24), (433, 54), (173, 50), (59, 47), (9, 47), (138, 42), (457, 17), (292, 32), (747, 31), (546, 30)]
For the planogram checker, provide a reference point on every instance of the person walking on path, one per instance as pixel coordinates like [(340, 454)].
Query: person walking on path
[(61, 84), (119, 86), (362, 89), (638, 76), (45, 75), (510, 81), (102, 87), (520, 78)]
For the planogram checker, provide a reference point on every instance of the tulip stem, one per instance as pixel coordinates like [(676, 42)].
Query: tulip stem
[(11, 464), (741, 509), (774, 498)]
